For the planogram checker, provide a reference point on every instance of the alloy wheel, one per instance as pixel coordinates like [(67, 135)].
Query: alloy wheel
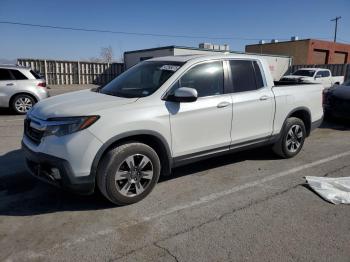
[(294, 138), (134, 175), (23, 104)]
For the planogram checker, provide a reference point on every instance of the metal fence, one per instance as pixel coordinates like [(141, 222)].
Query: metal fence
[(61, 72), (336, 69)]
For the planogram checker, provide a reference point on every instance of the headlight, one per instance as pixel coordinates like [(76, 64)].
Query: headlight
[(67, 125)]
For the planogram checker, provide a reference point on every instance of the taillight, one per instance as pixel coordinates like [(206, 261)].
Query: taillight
[(42, 84)]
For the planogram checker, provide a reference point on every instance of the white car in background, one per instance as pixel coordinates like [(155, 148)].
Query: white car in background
[(314, 75), (20, 88)]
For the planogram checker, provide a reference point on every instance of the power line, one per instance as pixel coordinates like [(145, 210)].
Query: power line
[(128, 33), (145, 34)]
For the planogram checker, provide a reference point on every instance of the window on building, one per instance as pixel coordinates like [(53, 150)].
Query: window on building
[(340, 57), (207, 79), (5, 75), (246, 76)]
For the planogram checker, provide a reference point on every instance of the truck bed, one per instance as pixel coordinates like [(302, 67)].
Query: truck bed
[(290, 83)]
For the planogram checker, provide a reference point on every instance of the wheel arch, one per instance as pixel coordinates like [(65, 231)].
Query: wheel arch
[(150, 138), (22, 93), (304, 114)]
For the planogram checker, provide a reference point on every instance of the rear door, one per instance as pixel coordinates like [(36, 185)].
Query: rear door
[(326, 78), (253, 102), (7, 84), (204, 125)]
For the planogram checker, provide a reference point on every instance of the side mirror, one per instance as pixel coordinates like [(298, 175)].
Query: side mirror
[(184, 94), (318, 76)]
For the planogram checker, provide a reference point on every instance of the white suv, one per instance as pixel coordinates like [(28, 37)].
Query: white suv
[(20, 88), (162, 113)]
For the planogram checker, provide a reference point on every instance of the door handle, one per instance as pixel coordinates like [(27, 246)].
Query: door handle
[(264, 98), (10, 84), (223, 104)]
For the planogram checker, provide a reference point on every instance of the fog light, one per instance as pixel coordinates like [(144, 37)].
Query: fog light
[(55, 173)]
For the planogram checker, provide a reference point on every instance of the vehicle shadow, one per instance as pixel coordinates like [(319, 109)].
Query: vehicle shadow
[(23, 195), (6, 111)]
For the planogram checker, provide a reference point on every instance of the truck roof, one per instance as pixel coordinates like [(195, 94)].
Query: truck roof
[(203, 57), (313, 68), (13, 66)]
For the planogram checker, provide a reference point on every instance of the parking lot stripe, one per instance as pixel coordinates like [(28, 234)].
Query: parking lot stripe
[(202, 200), (215, 196)]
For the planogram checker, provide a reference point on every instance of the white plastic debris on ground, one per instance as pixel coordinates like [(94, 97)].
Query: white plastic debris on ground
[(334, 190)]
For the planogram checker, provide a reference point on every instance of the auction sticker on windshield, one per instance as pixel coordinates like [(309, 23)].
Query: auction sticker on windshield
[(170, 67)]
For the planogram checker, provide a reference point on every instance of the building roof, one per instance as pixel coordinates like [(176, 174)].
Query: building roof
[(202, 57), (295, 41), (173, 47), (195, 48)]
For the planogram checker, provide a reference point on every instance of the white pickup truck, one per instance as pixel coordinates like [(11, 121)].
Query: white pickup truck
[(163, 113), (314, 75)]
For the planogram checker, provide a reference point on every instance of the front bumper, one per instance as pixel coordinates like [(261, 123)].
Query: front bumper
[(337, 113), (57, 172)]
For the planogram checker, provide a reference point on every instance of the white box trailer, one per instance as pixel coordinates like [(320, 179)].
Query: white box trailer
[(278, 64)]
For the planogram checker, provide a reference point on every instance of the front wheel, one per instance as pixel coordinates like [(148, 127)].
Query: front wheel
[(291, 139), (128, 173)]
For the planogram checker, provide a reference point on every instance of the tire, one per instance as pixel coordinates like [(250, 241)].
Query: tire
[(292, 138), (22, 103), (128, 173)]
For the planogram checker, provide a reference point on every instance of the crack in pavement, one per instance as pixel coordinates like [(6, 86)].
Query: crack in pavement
[(218, 218), (213, 198), (166, 250), (335, 170)]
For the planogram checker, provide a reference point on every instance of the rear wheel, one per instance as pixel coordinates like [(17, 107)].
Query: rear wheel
[(128, 173), (291, 139), (22, 103)]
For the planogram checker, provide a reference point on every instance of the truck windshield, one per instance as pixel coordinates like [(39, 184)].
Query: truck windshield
[(309, 73), (141, 80)]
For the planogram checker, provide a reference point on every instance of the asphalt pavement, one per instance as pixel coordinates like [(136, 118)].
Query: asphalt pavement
[(248, 206)]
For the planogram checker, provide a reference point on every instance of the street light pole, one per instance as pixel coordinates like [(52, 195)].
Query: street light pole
[(336, 27)]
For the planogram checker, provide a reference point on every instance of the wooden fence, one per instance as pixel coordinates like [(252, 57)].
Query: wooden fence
[(61, 72), (336, 69)]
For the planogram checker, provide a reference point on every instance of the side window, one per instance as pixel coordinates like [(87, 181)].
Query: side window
[(258, 76), (18, 75), (325, 74), (5, 74), (244, 76), (207, 79), (36, 75)]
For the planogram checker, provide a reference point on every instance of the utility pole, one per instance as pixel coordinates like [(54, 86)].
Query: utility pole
[(336, 27)]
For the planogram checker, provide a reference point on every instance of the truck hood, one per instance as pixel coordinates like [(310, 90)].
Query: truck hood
[(80, 103)]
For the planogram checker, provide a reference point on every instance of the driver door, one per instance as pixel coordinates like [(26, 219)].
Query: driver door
[(202, 126)]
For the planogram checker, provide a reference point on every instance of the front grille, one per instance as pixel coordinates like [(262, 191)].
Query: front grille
[(33, 134)]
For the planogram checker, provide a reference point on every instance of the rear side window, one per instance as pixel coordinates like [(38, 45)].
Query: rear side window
[(207, 79), (37, 76), (325, 73), (18, 75), (258, 76), (5, 74), (246, 75)]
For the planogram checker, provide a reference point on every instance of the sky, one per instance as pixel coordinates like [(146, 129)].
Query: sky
[(244, 21)]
